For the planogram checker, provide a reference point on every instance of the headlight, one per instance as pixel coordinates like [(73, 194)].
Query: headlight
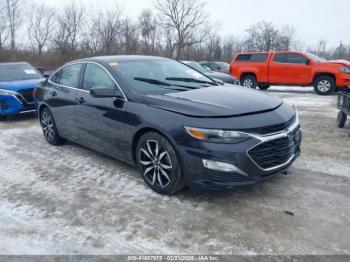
[(345, 69), (217, 136), (7, 92)]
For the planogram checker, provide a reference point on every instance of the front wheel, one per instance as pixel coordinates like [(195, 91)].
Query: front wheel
[(325, 85), (249, 81), (158, 164), (49, 128), (341, 119)]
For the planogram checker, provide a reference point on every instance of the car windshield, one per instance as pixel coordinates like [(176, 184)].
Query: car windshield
[(13, 72), (315, 57), (199, 67), (224, 65), (158, 76)]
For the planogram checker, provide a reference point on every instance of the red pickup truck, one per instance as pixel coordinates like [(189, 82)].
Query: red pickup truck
[(290, 68)]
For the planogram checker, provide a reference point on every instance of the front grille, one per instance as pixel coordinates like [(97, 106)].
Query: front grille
[(27, 94), (276, 152), (270, 129)]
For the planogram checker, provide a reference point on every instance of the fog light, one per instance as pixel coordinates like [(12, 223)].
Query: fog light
[(222, 167)]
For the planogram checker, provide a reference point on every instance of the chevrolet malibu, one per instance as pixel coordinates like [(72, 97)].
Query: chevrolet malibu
[(176, 125), (17, 82)]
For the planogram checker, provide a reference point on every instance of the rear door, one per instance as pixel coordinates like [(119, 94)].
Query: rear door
[(62, 88), (100, 120)]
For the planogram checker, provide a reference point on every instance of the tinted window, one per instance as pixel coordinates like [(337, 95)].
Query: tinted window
[(96, 76), (252, 58), (12, 72), (296, 59), (280, 58), (68, 76)]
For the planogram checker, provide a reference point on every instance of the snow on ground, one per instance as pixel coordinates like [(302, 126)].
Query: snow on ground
[(70, 200)]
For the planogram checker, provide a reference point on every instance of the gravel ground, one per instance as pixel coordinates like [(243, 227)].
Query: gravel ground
[(70, 200)]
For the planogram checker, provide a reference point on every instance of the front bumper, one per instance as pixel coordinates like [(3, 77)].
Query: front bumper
[(14, 104), (250, 170)]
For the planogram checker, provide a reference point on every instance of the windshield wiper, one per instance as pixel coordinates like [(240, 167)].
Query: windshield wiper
[(191, 80), (162, 83)]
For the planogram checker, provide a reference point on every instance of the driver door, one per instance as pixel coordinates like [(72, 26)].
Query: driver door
[(99, 119)]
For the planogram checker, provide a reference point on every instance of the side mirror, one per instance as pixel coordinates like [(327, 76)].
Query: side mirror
[(308, 62), (105, 92)]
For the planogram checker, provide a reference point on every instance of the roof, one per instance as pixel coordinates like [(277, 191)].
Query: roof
[(120, 58), (14, 63)]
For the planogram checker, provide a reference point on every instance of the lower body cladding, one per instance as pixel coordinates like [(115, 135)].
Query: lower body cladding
[(224, 166), (15, 104)]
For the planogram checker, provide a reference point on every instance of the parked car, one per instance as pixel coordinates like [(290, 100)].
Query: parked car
[(221, 67), (215, 75), (176, 125), (44, 71), (17, 82), (290, 68)]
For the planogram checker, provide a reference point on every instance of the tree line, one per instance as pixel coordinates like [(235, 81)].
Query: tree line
[(180, 29)]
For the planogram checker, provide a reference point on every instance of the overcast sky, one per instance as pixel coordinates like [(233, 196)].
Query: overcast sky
[(313, 19)]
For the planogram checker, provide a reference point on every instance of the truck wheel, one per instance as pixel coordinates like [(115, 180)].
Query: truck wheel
[(264, 86), (325, 85), (249, 81), (341, 119)]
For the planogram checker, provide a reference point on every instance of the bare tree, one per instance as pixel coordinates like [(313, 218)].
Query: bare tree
[(69, 25), (14, 15), (40, 25), (285, 38), (4, 27), (232, 46), (181, 19), (148, 31), (108, 27), (262, 37)]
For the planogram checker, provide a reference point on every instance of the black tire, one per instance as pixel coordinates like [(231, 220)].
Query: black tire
[(325, 85), (49, 128), (341, 119), (249, 81), (264, 86), (152, 164), (3, 118)]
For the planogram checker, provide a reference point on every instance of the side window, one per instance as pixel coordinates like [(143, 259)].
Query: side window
[(214, 66), (96, 76), (68, 76), (280, 58), (258, 58), (56, 78), (243, 58), (296, 59)]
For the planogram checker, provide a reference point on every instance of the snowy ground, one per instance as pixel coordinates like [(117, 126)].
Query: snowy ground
[(70, 200)]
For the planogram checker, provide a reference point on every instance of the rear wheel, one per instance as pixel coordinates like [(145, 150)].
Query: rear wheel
[(264, 86), (325, 85), (158, 164), (249, 81), (49, 128), (341, 119)]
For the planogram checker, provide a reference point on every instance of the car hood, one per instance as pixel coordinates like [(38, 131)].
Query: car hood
[(218, 101), (20, 84), (339, 62), (221, 76)]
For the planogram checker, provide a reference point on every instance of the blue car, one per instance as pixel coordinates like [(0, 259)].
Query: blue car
[(17, 82)]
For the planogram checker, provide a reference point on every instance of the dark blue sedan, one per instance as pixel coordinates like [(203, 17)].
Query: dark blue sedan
[(178, 126), (17, 82)]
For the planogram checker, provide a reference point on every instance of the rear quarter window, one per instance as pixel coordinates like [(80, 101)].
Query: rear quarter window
[(251, 58)]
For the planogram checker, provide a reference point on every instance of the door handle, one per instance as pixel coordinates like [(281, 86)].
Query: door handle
[(53, 93), (82, 100)]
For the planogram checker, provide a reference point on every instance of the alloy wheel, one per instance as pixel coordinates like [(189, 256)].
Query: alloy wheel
[(324, 86), (47, 126), (248, 83), (156, 164)]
